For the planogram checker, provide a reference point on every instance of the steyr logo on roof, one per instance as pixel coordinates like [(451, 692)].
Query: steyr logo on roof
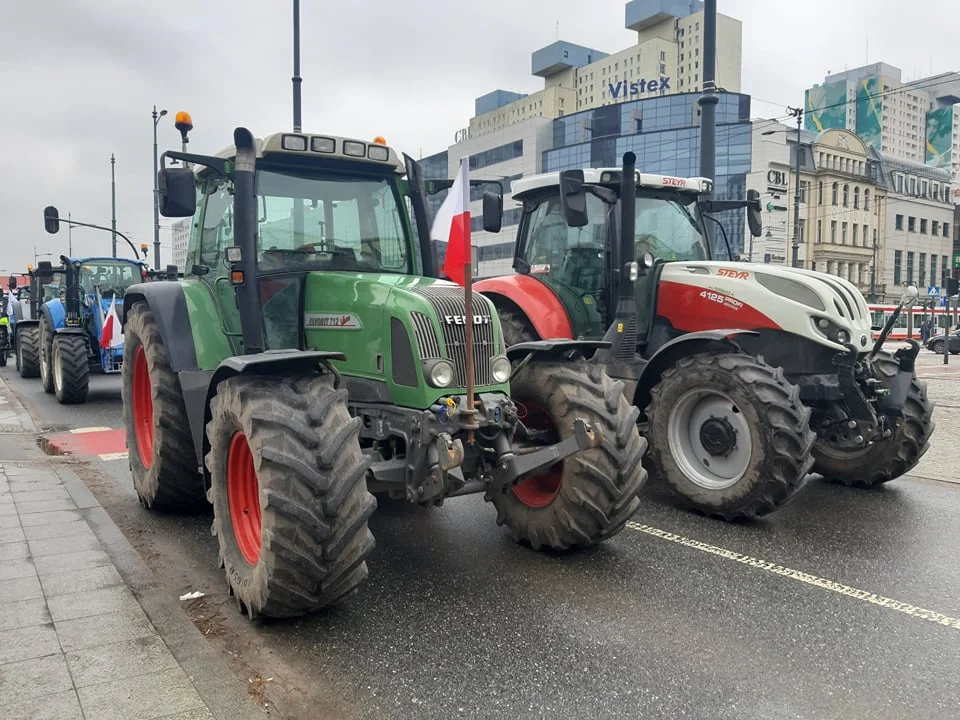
[(640, 87), (462, 319), (332, 321)]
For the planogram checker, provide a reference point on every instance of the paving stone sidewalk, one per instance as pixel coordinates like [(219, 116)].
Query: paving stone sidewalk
[(76, 642)]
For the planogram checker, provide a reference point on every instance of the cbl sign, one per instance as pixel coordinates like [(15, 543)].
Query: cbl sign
[(641, 87)]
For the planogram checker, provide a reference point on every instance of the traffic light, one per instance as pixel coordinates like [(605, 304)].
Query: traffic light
[(51, 219), (953, 287)]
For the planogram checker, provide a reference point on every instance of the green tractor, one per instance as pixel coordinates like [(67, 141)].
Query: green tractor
[(307, 362)]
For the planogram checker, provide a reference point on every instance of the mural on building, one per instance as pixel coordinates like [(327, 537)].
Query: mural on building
[(939, 137), (870, 111), (826, 107)]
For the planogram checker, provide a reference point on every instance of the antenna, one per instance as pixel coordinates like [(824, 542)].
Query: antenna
[(866, 58), (558, 29)]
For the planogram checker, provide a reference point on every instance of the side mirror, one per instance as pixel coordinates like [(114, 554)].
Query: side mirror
[(475, 259), (51, 219), (173, 272), (12, 282), (44, 271), (492, 211), (178, 193), (754, 217), (573, 198)]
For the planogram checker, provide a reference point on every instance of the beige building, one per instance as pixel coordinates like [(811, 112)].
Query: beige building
[(666, 59)]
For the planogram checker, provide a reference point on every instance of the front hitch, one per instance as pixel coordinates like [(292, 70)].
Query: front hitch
[(892, 403), (513, 467)]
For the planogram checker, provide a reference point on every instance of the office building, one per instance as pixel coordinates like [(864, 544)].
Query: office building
[(180, 237)]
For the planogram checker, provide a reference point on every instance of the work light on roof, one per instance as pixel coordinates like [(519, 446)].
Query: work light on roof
[(354, 149), (293, 142), (323, 144), (378, 152)]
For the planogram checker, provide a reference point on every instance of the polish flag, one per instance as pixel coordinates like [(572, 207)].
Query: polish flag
[(452, 226), (112, 334)]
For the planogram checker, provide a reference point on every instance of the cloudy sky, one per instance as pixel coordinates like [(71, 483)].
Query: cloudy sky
[(79, 79)]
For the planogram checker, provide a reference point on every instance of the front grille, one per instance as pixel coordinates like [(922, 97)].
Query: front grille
[(450, 301), (852, 303)]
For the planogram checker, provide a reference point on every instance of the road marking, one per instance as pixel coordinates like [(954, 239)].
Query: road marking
[(799, 576), (114, 456), (81, 431)]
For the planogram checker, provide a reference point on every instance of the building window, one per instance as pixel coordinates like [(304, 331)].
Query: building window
[(820, 189), (829, 267), (865, 235), (911, 224), (897, 266), (856, 231), (934, 228), (833, 200), (843, 234), (922, 272), (856, 199), (946, 230), (804, 186), (803, 231), (866, 199), (899, 222), (833, 231), (923, 189), (910, 268), (923, 226), (934, 279), (498, 154), (819, 231), (913, 186)]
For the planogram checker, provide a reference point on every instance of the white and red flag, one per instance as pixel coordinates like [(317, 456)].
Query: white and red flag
[(112, 336), (452, 226)]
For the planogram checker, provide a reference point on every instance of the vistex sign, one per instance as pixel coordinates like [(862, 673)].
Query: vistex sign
[(641, 87)]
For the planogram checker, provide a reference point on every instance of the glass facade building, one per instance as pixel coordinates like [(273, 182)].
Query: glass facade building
[(664, 133)]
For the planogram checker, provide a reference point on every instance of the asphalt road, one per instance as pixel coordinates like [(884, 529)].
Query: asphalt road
[(845, 604)]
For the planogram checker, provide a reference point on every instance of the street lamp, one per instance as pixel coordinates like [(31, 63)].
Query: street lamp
[(798, 114), (156, 190)]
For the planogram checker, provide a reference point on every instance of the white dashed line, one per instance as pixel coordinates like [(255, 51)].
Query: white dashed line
[(799, 576), (81, 431), (114, 456)]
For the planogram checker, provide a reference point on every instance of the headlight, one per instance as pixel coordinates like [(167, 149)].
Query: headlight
[(500, 370), (830, 330), (440, 374)]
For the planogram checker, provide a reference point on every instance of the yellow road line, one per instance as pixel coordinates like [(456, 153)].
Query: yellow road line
[(862, 595)]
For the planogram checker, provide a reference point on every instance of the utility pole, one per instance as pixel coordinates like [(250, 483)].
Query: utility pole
[(708, 100), (70, 236), (156, 190), (113, 202), (798, 114)]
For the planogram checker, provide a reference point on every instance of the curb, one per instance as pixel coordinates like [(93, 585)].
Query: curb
[(216, 684), (26, 421)]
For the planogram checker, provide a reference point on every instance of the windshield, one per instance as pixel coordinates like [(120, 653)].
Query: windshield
[(667, 227), (349, 223), (109, 278)]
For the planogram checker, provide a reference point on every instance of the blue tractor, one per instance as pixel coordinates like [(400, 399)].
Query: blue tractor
[(80, 331), (45, 283)]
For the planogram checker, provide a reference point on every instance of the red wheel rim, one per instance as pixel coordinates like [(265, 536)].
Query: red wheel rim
[(143, 408), (243, 494), (538, 491)]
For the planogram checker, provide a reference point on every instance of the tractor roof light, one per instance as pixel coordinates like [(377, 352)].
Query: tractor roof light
[(183, 122), (296, 143), (379, 140)]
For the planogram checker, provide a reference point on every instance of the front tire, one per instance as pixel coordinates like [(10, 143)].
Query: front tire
[(729, 435), (71, 369), (937, 347), (161, 453), (28, 351), (46, 355), (889, 458), (588, 497), (288, 487)]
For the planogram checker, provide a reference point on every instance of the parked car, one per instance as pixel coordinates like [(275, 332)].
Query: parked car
[(936, 343)]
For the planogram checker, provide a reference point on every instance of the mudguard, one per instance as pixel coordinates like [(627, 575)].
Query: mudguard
[(553, 348), (169, 306), (689, 344), (55, 313)]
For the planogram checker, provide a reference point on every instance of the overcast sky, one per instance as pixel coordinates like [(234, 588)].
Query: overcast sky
[(79, 78)]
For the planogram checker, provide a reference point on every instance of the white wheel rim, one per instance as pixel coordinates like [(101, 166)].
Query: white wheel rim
[(685, 428), (57, 368)]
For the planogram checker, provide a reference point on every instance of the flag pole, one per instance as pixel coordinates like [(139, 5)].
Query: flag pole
[(468, 340)]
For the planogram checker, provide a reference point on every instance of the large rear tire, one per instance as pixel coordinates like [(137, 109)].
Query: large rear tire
[(288, 487), (71, 369), (46, 355), (889, 458), (729, 435), (28, 351), (516, 327), (588, 497), (161, 453)]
